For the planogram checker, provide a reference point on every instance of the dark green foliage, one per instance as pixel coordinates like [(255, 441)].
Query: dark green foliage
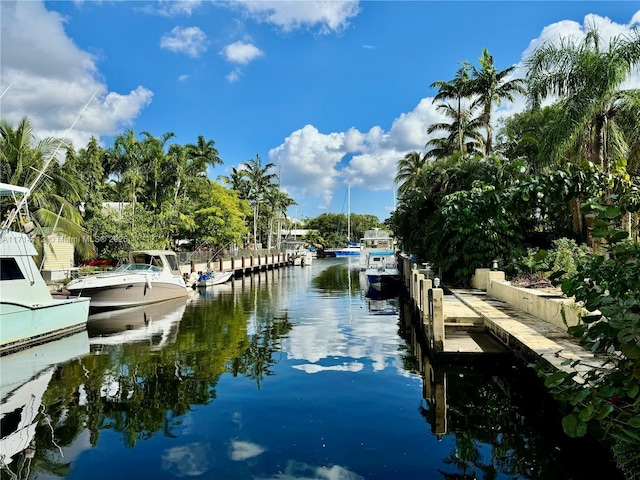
[(608, 285)]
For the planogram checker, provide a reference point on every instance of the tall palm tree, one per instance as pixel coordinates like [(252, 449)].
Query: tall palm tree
[(456, 89), (490, 87), (463, 133), (410, 168), (153, 154), (236, 181), (259, 181), (204, 153), (278, 202), (587, 77)]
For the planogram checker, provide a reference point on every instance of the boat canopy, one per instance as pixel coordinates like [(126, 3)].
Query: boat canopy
[(7, 190)]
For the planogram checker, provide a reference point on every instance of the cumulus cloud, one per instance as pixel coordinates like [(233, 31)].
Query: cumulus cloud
[(328, 16), (241, 52), (171, 8), (48, 79), (190, 40), (315, 164)]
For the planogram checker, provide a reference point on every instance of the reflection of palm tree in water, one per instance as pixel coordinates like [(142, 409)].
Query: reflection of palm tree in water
[(467, 458)]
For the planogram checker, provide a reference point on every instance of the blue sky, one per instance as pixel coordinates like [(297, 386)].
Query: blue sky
[(332, 92)]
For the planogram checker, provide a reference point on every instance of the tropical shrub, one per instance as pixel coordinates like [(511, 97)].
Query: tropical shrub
[(607, 283)]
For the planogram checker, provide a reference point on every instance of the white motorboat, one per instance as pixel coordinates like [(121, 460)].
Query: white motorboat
[(150, 276), (297, 254), (382, 270), (29, 314), (212, 278), (375, 240)]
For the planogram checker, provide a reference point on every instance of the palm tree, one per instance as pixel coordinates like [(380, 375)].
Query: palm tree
[(457, 90), (410, 168), (53, 202), (278, 202), (259, 181), (587, 79), (490, 86), (204, 153), (153, 154), (463, 132), (126, 157), (236, 181)]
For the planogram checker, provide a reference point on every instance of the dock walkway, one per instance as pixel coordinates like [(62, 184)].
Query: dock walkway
[(494, 318), (529, 337)]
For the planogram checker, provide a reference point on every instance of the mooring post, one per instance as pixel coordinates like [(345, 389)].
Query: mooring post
[(425, 286), (438, 320), (415, 288)]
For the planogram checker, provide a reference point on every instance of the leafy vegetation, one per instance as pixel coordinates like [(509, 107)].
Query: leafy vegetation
[(558, 198)]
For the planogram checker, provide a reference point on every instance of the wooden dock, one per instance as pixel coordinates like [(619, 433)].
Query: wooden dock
[(240, 266), (462, 324)]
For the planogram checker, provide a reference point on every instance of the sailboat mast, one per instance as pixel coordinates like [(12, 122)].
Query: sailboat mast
[(348, 214)]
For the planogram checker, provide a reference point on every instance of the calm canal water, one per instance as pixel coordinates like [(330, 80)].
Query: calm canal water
[(290, 374)]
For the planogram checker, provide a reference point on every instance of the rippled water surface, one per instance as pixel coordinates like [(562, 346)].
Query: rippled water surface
[(290, 374)]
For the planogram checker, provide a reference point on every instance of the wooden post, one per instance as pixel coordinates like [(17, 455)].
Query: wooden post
[(438, 320), (425, 286), (193, 266), (221, 265)]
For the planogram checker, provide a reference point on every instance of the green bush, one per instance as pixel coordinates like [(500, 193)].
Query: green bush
[(607, 283)]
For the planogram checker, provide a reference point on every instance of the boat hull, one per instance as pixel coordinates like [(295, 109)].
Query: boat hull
[(130, 294), (380, 281), (25, 326), (215, 280)]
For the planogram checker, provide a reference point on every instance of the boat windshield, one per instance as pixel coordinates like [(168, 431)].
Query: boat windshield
[(137, 267)]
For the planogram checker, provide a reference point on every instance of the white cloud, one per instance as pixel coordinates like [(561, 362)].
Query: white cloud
[(233, 76), (315, 164), (241, 52), (635, 20), (190, 40), (329, 16), (171, 8), (50, 79), (309, 162)]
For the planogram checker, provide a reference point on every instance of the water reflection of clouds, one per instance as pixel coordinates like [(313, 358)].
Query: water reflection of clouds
[(244, 450), (353, 335), (302, 471), (345, 367), (188, 460)]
